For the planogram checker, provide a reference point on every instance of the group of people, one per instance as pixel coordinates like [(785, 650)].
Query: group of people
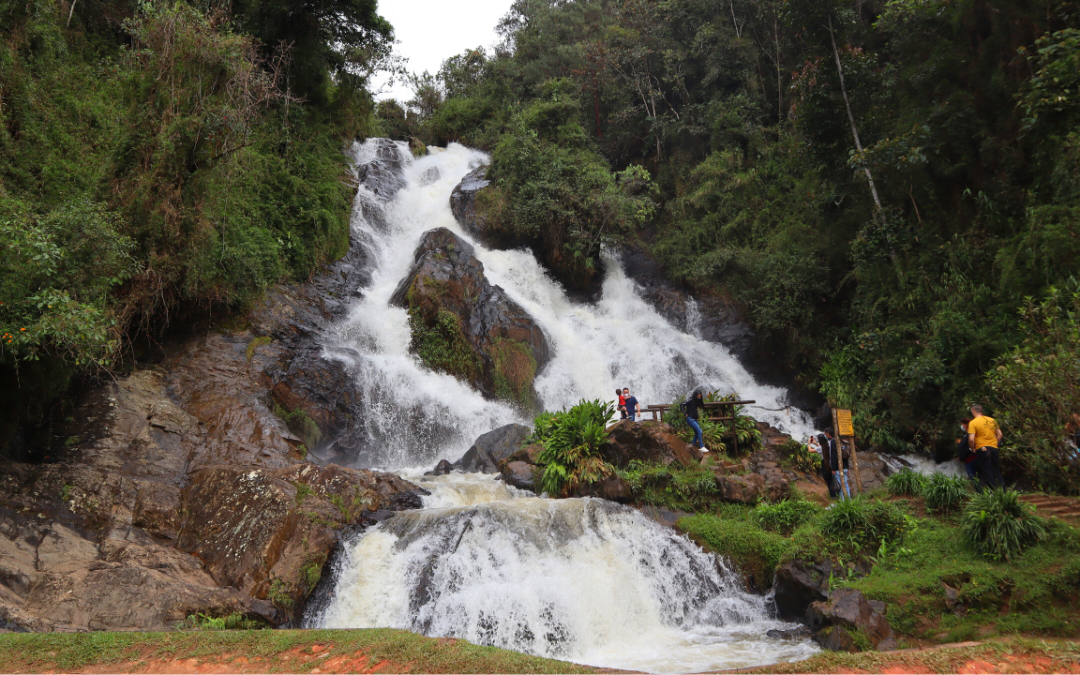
[(978, 449), (834, 463), (629, 408)]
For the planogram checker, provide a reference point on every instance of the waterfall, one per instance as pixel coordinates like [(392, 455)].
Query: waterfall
[(414, 417), (578, 579)]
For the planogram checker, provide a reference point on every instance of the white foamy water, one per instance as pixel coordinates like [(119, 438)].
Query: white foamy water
[(414, 415), (578, 579)]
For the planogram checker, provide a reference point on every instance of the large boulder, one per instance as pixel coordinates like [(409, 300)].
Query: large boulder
[(492, 448), (797, 584), (611, 487), (464, 326), (463, 205), (268, 533), (848, 608), (648, 442), (744, 489)]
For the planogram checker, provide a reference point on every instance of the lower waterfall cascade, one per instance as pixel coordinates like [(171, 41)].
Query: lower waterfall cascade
[(578, 579)]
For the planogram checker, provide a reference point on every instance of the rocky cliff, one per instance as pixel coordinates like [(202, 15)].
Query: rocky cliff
[(193, 485)]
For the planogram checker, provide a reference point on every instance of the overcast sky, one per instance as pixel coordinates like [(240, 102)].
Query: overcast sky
[(430, 31)]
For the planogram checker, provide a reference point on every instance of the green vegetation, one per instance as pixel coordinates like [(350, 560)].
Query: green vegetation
[(571, 440), (1037, 386), (754, 552), (201, 621), (673, 486), (159, 166), (998, 525), (299, 651), (945, 493), (889, 271), (863, 523), (260, 341), (785, 516), (906, 482), (303, 490), (301, 424), (515, 370)]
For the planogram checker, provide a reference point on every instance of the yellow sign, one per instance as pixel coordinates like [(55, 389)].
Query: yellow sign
[(843, 423)]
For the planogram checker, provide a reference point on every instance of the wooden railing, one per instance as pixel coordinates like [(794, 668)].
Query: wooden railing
[(657, 412)]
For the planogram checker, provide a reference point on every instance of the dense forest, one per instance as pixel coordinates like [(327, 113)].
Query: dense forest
[(889, 189), (161, 163)]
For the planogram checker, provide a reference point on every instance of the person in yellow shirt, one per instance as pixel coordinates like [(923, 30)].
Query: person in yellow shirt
[(984, 435)]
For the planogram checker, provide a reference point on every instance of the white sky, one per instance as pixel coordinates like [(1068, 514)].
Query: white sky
[(430, 31)]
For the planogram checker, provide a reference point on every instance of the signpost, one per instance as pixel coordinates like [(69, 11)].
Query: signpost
[(843, 429)]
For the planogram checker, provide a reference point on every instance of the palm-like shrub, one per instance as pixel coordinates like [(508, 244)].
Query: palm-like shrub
[(944, 493), (906, 482), (998, 525), (572, 440)]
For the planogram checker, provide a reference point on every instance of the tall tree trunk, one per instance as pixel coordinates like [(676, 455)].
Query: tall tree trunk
[(70, 12), (851, 117)]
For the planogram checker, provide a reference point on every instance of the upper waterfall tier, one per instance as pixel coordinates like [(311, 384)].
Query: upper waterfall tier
[(413, 416)]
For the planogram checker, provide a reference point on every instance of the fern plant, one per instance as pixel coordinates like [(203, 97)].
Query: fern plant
[(572, 440), (998, 525)]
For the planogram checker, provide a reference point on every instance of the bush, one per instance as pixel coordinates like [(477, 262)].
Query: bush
[(906, 482), (785, 516), (860, 522), (999, 526), (572, 440), (944, 493)]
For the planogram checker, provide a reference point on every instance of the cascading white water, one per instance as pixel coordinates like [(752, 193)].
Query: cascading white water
[(579, 579), (415, 416)]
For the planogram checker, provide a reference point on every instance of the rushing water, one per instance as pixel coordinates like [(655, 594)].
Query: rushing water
[(579, 579)]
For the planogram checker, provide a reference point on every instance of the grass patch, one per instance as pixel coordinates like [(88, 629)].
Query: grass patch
[(301, 424), (754, 552), (1016, 655), (275, 651), (515, 370), (673, 486)]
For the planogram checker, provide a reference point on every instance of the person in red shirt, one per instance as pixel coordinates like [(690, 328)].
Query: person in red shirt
[(622, 403)]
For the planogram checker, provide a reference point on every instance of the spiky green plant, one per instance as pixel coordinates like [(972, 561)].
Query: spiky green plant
[(784, 516), (906, 482), (998, 525), (945, 493), (572, 440)]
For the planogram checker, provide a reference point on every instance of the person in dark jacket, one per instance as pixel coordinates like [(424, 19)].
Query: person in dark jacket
[(964, 453), (692, 408), (829, 461)]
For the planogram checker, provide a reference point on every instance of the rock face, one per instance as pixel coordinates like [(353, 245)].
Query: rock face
[(493, 448), (466, 327), (181, 490), (797, 584), (847, 608), (463, 204), (648, 442)]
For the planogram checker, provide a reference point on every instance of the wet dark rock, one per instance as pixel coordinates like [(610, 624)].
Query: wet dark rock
[(611, 488), (662, 514), (836, 639), (520, 475), (796, 633), (505, 345), (798, 583), (849, 608), (491, 448), (463, 205), (443, 468), (647, 442)]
